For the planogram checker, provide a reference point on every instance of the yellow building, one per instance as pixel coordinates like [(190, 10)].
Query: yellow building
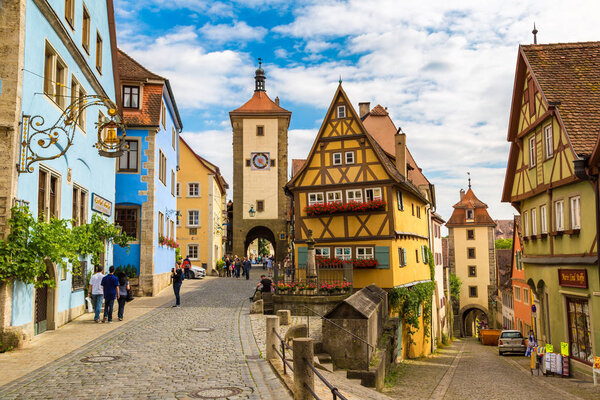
[(388, 221), (201, 195)]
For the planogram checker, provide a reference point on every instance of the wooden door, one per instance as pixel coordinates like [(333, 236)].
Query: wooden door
[(41, 310)]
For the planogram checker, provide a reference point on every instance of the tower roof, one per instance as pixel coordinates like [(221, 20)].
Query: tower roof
[(469, 201), (260, 103)]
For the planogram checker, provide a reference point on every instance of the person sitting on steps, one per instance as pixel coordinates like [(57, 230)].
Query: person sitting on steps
[(264, 286)]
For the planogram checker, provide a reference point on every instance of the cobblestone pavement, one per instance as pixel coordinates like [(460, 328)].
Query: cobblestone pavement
[(468, 370), (161, 356)]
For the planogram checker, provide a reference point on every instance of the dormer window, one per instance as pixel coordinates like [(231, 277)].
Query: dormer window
[(341, 112), (131, 97), (469, 214)]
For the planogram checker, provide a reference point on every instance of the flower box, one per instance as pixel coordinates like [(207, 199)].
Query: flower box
[(164, 241), (336, 208)]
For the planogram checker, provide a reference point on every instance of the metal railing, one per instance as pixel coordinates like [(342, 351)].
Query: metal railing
[(339, 327), (334, 391), (281, 354), (297, 282)]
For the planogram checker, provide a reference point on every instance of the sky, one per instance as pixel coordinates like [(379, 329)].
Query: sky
[(444, 70)]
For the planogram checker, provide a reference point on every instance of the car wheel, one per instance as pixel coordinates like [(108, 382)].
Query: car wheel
[(500, 353), (192, 276)]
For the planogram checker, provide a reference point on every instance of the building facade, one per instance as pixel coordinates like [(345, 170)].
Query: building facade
[(440, 301), (551, 127), (146, 202), (260, 132), (471, 250), (201, 205), (54, 55), (522, 298)]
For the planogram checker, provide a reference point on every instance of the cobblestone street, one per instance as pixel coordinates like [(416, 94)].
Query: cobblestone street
[(205, 349), (468, 370)]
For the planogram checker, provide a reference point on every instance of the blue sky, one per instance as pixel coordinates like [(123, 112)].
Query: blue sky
[(444, 69)]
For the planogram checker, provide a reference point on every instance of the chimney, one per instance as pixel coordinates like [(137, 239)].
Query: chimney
[(462, 193), (400, 139), (277, 100), (364, 108)]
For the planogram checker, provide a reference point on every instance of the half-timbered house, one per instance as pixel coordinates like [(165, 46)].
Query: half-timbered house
[(554, 122)]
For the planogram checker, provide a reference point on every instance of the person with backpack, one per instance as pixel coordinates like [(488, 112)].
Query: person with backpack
[(95, 291), (110, 283), (177, 277), (187, 264), (238, 267), (123, 288)]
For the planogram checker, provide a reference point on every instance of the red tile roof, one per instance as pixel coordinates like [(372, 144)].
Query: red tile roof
[(379, 111), (569, 73), (470, 201), (297, 165), (129, 69), (260, 103), (504, 228)]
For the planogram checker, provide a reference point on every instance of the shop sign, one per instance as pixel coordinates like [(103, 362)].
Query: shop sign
[(101, 205), (576, 278), (549, 348), (564, 348), (596, 362)]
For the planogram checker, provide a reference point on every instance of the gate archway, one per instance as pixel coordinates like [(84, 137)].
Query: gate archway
[(260, 232), (468, 315)]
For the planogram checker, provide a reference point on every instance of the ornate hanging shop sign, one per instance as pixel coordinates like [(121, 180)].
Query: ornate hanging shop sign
[(43, 142)]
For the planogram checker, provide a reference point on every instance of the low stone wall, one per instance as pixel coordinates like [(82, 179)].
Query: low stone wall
[(66, 316), (294, 303), (150, 285)]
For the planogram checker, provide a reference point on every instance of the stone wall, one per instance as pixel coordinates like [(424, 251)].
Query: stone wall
[(319, 304), (147, 233)]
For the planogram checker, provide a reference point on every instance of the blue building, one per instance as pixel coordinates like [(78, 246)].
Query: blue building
[(65, 52), (146, 202)]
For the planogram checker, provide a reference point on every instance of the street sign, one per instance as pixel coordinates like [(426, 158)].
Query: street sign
[(533, 308), (564, 348), (549, 348)]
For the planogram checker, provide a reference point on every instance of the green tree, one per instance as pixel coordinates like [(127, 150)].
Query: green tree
[(504, 243), (455, 284), (263, 247)]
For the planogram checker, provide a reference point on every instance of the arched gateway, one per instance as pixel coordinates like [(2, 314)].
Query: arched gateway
[(260, 131)]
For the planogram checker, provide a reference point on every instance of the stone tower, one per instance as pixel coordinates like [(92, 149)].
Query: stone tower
[(260, 149)]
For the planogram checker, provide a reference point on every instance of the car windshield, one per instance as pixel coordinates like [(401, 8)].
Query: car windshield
[(511, 335)]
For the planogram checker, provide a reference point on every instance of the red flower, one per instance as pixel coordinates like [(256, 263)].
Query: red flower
[(353, 206)]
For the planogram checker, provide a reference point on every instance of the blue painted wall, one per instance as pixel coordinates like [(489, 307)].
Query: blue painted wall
[(89, 170)]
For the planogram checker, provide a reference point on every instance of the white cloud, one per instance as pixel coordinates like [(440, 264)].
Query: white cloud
[(238, 31)]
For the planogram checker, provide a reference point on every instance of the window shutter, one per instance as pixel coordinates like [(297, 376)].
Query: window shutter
[(382, 255), (400, 200), (302, 257), (404, 257), (424, 250)]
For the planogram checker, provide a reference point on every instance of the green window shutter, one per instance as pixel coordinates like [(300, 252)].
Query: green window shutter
[(382, 254), (404, 257), (302, 257)]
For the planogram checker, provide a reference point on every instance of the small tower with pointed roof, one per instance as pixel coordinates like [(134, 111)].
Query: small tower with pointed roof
[(260, 135), (473, 261)]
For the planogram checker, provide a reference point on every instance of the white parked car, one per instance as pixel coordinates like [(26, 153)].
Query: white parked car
[(197, 272)]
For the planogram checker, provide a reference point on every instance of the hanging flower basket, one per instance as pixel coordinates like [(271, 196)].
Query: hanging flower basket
[(335, 208), (164, 241), (369, 263), (332, 262)]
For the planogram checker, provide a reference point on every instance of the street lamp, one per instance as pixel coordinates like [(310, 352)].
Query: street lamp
[(251, 212)]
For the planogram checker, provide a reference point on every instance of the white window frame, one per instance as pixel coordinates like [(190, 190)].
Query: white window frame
[(559, 215), (400, 200), (354, 192), (368, 253), (197, 251), (544, 218), (161, 223), (548, 142), (324, 252), (341, 112), (313, 198), (343, 255), (379, 197), (534, 221), (55, 87), (575, 208), (525, 295), (58, 196), (77, 97), (532, 152), (526, 223), (192, 225), (472, 214), (334, 197), (162, 167), (517, 293), (188, 189), (349, 160), (336, 158), (83, 196)]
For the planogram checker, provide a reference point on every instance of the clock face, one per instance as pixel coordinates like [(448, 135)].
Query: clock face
[(260, 160)]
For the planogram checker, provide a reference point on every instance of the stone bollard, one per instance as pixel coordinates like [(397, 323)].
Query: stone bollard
[(257, 307), (285, 317), (303, 374), (272, 340)]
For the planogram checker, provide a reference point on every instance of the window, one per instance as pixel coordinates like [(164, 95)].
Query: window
[(517, 293), (364, 253), (343, 253), (260, 131), (192, 251), (127, 219), (354, 195), (315, 198), (532, 151), (85, 31), (55, 77), (424, 254), (334, 197), (469, 214), (78, 98), (580, 337), (534, 221), (471, 252), (193, 218), (544, 219), (548, 142), (470, 234), (131, 97), (163, 115), (373, 194), (322, 252), (98, 52), (272, 162), (172, 183), (193, 189), (575, 212), (247, 162), (526, 223), (472, 271), (48, 195), (162, 167), (413, 208), (336, 158), (80, 197), (525, 296), (173, 138), (78, 276), (472, 291), (402, 257), (128, 162), (558, 215), (171, 229), (161, 224), (70, 11), (341, 112), (178, 189), (400, 200), (178, 217), (518, 262), (418, 211), (260, 205), (349, 157), (417, 255)]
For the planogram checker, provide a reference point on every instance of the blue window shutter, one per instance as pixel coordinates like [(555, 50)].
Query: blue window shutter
[(382, 254), (302, 257)]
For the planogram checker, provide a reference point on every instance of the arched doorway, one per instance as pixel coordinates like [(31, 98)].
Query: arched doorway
[(44, 305), (469, 315), (260, 232)]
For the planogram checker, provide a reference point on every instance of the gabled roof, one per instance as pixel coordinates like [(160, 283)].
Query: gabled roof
[(362, 303), (469, 200), (260, 103), (130, 69), (297, 164), (209, 166), (504, 228), (504, 265), (480, 214)]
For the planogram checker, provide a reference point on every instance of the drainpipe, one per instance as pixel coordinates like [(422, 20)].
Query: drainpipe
[(581, 173)]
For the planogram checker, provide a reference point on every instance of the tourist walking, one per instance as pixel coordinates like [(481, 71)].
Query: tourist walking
[(96, 292), (110, 283), (227, 266), (123, 288), (238, 267), (187, 265), (270, 266), (177, 277), (247, 266)]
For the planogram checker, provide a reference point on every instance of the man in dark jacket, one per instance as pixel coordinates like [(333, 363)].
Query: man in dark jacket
[(247, 265), (177, 276), (110, 283)]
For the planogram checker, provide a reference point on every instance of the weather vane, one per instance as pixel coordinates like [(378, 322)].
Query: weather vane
[(469, 175), (259, 62)]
